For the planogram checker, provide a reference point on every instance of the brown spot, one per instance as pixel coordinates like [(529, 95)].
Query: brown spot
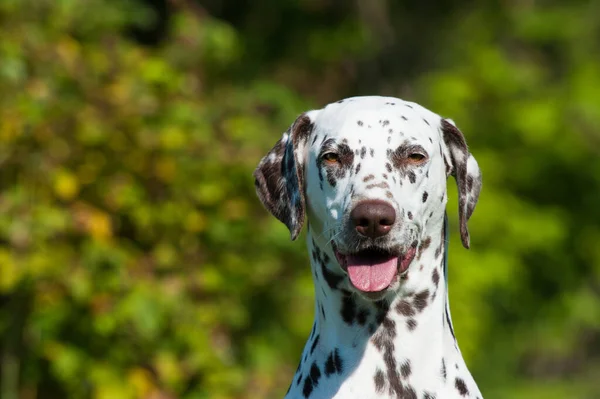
[(412, 177), (438, 250), (435, 277), (421, 300), (405, 308), (389, 194), (405, 369), (379, 381), (369, 177)]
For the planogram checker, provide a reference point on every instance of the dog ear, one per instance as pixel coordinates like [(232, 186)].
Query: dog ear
[(279, 177), (465, 170)]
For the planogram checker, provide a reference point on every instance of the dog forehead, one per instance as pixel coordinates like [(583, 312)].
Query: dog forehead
[(374, 118)]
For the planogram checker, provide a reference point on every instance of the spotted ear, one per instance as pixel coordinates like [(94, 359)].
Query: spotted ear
[(465, 170), (279, 177)]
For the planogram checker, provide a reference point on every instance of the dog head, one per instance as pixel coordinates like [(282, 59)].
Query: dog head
[(370, 173)]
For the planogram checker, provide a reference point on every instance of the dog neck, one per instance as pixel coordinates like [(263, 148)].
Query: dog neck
[(402, 345)]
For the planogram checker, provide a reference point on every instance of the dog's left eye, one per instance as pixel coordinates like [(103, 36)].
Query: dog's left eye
[(331, 158), (416, 158)]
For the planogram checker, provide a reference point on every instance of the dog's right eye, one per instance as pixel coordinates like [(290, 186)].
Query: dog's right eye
[(330, 158)]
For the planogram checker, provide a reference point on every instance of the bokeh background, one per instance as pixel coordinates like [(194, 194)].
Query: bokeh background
[(135, 258)]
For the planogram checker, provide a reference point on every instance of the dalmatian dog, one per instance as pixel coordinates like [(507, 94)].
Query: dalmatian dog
[(367, 175)]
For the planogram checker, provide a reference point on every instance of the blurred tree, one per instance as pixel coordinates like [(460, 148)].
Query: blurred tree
[(135, 260)]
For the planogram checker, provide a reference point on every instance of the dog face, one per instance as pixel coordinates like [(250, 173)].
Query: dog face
[(371, 173)]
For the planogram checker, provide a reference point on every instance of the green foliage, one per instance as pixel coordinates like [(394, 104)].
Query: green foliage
[(136, 262)]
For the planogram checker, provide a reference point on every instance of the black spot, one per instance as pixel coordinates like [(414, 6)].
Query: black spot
[(341, 101), (323, 312), (405, 308), (409, 393), (444, 369), (385, 176), (331, 178), (348, 309), (392, 374), (430, 214), (299, 379), (390, 131), (431, 141), (461, 386), (361, 317), (332, 279), (379, 381), (428, 395), (385, 123), (405, 369), (425, 120), (435, 277), (425, 196), (438, 250), (308, 387), (412, 177), (388, 167), (389, 327), (421, 300), (404, 117), (357, 168), (408, 105), (363, 152), (315, 373), (411, 324), (333, 364), (372, 152), (368, 177), (315, 139), (410, 215), (314, 345), (360, 123)]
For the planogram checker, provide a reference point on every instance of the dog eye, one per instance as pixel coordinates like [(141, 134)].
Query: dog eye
[(416, 158), (331, 158)]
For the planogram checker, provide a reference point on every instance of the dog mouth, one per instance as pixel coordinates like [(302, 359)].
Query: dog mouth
[(374, 269)]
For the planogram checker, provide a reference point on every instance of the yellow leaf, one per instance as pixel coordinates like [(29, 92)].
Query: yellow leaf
[(166, 169), (9, 273), (195, 222), (99, 225), (66, 185), (141, 381)]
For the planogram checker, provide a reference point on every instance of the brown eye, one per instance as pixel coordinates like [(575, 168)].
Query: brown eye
[(416, 158), (331, 158)]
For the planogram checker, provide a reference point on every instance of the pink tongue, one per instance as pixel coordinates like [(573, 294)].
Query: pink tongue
[(369, 273)]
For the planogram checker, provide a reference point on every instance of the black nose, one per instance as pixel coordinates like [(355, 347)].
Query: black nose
[(373, 218)]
